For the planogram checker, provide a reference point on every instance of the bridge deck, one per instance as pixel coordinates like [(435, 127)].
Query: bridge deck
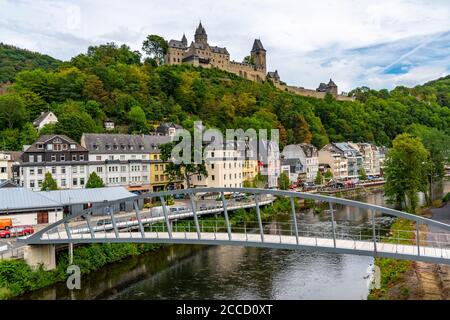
[(367, 248)]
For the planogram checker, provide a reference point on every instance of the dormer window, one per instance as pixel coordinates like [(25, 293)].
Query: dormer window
[(142, 147), (116, 147), (108, 147), (123, 147), (131, 147), (96, 146), (40, 146), (73, 146)]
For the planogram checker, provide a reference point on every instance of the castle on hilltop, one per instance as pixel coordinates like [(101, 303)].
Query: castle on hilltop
[(200, 54)]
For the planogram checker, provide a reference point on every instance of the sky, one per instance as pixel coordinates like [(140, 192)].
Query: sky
[(374, 43)]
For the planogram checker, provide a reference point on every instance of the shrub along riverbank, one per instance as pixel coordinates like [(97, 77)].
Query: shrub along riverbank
[(17, 278), (393, 270)]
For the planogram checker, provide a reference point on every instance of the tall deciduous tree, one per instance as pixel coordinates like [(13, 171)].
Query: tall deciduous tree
[(301, 130), (49, 183), (406, 171), (137, 119), (283, 181), (94, 181), (183, 171), (319, 178), (12, 111), (156, 47)]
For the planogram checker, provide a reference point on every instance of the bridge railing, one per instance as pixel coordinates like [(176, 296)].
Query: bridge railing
[(82, 226)]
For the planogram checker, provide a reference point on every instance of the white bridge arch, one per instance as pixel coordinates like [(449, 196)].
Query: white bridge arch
[(291, 237)]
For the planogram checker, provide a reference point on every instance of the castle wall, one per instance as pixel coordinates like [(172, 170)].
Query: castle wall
[(310, 93), (247, 71)]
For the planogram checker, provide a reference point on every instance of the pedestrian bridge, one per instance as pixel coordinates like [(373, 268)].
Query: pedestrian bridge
[(419, 245)]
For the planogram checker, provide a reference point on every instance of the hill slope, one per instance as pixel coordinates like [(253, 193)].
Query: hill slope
[(111, 82), (14, 60)]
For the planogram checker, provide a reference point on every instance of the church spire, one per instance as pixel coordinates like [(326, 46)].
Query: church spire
[(184, 40), (200, 35)]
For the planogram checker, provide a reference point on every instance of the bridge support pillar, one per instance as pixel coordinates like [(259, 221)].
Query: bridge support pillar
[(45, 255)]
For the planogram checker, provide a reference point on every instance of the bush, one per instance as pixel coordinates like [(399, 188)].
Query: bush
[(446, 198)]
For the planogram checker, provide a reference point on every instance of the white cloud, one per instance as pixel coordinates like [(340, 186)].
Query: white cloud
[(307, 41)]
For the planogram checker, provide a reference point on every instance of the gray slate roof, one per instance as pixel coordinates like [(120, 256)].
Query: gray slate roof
[(44, 138), (177, 44), (257, 46), (81, 196), (41, 118), (22, 199), (97, 143)]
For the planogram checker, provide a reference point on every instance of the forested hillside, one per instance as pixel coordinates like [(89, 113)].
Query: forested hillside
[(111, 82), (14, 60)]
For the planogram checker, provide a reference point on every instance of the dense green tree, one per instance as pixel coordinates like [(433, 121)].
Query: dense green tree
[(12, 111), (10, 139), (75, 124), (328, 175), (283, 181), (28, 134), (137, 119), (319, 179), (94, 181), (156, 47), (49, 183), (405, 171), (184, 170), (249, 60), (362, 174)]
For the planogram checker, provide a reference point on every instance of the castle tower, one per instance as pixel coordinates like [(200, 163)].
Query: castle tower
[(184, 40), (332, 87), (258, 54), (200, 35)]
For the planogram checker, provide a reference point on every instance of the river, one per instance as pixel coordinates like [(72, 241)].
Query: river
[(225, 272)]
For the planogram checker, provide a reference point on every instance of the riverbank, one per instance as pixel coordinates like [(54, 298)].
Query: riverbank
[(414, 280), (17, 278)]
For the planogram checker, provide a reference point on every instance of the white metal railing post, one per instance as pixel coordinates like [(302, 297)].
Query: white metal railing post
[(333, 224), (194, 212), (418, 237), (66, 226), (294, 219), (88, 221), (166, 216), (258, 213), (374, 233), (138, 217), (225, 212), (113, 220)]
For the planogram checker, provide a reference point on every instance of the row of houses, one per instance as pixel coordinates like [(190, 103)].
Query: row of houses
[(134, 161), (345, 160)]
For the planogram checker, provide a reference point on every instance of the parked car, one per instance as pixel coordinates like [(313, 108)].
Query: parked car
[(309, 185), (103, 222), (5, 224), (5, 234), (179, 196), (17, 231)]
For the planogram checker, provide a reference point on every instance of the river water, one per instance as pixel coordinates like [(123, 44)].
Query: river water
[(225, 272)]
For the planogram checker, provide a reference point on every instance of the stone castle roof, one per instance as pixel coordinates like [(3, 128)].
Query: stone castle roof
[(257, 46)]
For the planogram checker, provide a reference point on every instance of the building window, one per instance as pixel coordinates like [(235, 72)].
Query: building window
[(98, 158), (157, 178), (74, 157), (39, 158), (75, 182), (82, 181), (213, 177), (31, 171), (63, 182), (53, 158), (123, 179), (31, 183), (224, 177), (62, 157), (63, 170), (81, 169), (123, 168), (39, 170), (39, 183), (144, 168), (212, 166), (53, 170), (81, 157), (99, 169), (74, 169), (31, 158), (122, 157)]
